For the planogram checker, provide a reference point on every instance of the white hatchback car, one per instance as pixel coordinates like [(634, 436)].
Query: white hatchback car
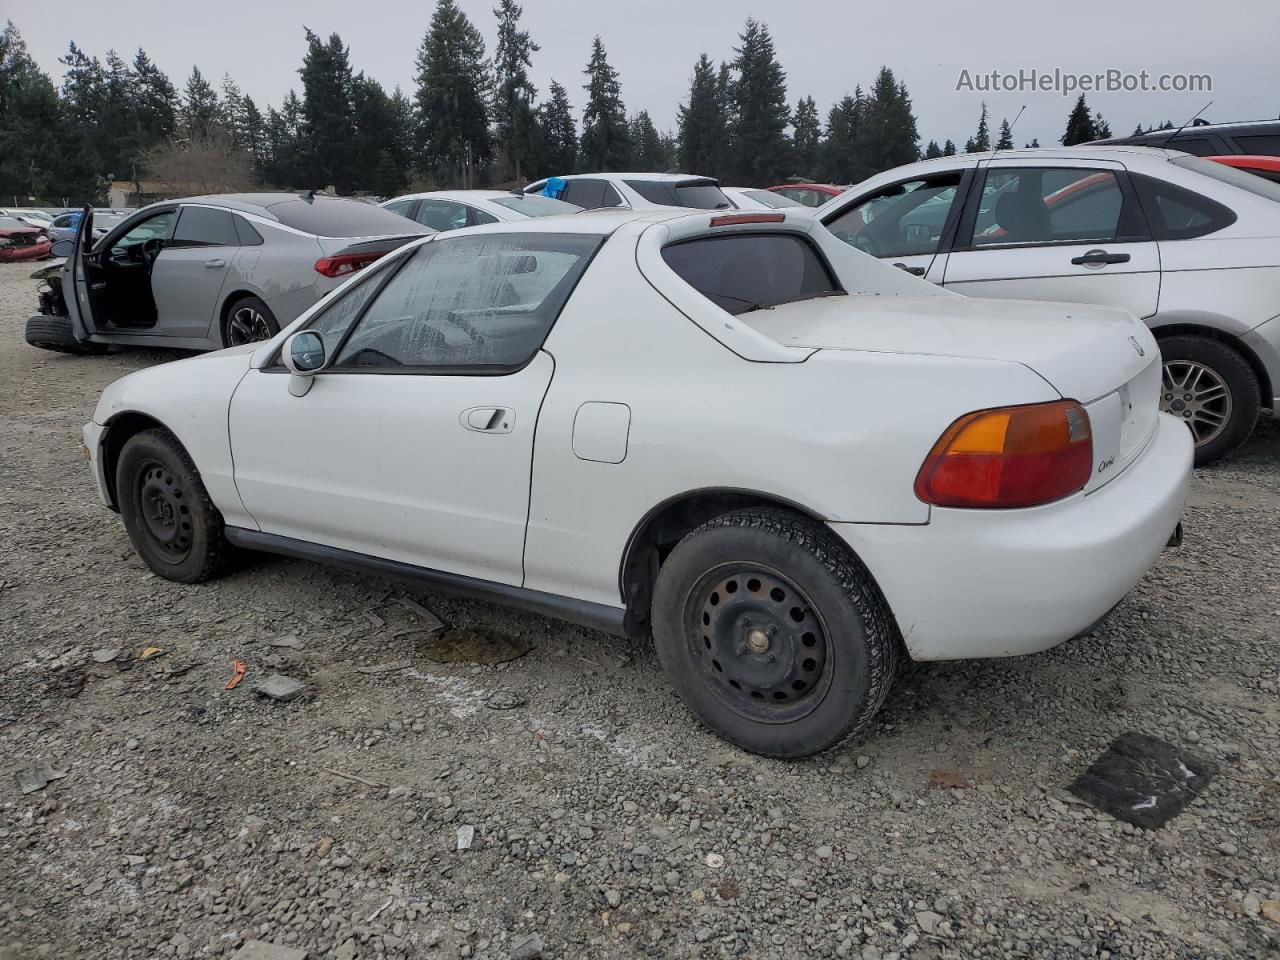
[(455, 209), (784, 459), (1190, 246)]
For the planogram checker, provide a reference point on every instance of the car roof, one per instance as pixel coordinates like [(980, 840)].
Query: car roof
[(259, 203), (654, 177), (460, 195)]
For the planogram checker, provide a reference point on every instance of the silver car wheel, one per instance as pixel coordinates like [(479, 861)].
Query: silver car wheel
[(247, 326), (1197, 396)]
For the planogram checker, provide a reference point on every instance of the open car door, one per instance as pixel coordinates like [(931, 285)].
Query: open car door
[(75, 289)]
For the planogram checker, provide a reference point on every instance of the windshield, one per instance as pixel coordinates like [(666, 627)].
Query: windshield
[(8, 223), (1237, 178), (533, 206), (705, 195)]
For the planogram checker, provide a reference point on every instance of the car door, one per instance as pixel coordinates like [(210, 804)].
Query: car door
[(1055, 230), (78, 299), (904, 223), (187, 277), (415, 442)]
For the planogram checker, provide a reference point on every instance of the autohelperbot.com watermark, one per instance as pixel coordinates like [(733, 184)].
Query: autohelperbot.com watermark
[(1068, 83)]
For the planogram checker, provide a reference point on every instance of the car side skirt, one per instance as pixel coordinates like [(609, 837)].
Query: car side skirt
[(594, 615)]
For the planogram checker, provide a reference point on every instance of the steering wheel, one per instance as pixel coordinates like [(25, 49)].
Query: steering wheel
[(151, 249)]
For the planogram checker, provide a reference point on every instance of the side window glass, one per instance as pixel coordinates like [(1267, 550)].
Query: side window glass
[(205, 227), (611, 198), (479, 216), (152, 228), (588, 194), (1176, 213), (1268, 145), (335, 320), (1049, 205), (484, 303), (400, 207), (441, 214), (249, 237), (901, 220), (1196, 146)]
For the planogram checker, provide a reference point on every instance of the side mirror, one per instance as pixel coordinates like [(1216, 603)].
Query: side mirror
[(61, 248), (303, 355)]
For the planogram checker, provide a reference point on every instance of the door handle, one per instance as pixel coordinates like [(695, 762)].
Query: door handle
[(215, 264), (488, 419), (914, 271), (1099, 258)]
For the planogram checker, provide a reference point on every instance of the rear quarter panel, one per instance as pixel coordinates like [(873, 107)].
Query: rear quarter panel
[(841, 434)]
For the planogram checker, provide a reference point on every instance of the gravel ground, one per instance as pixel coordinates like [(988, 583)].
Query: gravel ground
[(192, 819)]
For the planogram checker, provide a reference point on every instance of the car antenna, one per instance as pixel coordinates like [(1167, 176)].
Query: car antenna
[(996, 148), (1165, 142)]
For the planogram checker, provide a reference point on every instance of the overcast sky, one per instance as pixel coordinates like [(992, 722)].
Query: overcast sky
[(826, 48)]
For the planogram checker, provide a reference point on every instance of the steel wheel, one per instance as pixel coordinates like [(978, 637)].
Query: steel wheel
[(1198, 396), (247, 325), (166, 517), (760, 642)]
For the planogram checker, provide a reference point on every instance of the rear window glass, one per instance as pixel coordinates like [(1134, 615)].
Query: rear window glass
[(536, 206), (1267, 145), (1196, 146), (771, 199), (745, 272), (585, 193), (333, 217)]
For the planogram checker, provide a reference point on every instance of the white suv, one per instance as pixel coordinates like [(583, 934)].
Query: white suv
[(1190, 246)]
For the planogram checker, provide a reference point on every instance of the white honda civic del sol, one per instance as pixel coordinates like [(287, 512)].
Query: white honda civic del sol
[(788, 462)]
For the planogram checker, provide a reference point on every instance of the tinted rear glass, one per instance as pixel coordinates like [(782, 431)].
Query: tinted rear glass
[(655, 191), (1267, 145), (745, 271), (333, 217), (536, 206), (701, 196), (585, 193)]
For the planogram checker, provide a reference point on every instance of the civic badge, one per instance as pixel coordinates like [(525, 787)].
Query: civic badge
[(1137, 346)]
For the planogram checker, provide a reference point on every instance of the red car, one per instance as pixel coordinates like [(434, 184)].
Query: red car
[(1266, 167), (810, 194), (18, 241)]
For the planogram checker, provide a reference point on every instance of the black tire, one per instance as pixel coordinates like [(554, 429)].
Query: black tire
[(808, 645), (171, 521), (248, 320), (1238, 406), (54, 333)]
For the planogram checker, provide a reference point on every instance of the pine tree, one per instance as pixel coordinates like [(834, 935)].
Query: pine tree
[(513, 114), (255, 136), (888, 125), (980, 142), (932, 151), (606, 140), (44, 155), (647, 155), (155, 102), (1006, 136), (702, 122), (844, 160), (761, 114), (1034, 144), (201, 112), (404, 127), (560, 134), (453, 84), (1080, 127), (806, 138), (328, 114), (1101, 129), (233, 112), (949, 149), (374, 144), (725, 94)]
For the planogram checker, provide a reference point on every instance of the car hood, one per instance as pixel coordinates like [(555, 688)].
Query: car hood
[(1084, 351)]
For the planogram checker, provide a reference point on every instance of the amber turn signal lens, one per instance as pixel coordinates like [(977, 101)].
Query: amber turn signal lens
[(1009, 457)]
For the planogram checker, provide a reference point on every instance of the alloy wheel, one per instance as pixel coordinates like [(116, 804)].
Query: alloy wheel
[(247, 326), (1198, 396), (759, 642)]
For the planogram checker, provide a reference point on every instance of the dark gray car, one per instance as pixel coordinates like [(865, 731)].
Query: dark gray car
[(207, 272)]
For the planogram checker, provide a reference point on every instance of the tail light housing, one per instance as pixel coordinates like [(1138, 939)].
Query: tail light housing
[(344, 264), (1009, 457)]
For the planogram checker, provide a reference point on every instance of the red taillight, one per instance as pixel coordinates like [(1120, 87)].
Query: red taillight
[(345, 263), (1009, 457), (731, 218)]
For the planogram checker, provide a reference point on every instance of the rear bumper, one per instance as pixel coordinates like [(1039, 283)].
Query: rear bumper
[(998, 583)]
